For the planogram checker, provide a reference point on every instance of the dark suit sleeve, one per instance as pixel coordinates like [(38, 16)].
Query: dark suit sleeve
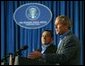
[(67, 53), (51, 49)]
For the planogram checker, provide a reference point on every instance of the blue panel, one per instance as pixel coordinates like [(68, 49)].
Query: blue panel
[(17, 36), (62, 8), (76, 21), (2, 29)]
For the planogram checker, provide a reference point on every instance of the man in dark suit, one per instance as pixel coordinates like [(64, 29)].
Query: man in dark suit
[(47, 47), (47, 42), (69, 49)]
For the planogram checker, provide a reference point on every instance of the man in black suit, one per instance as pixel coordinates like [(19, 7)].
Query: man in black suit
[(68, 50), (47, 42), (48, 47)]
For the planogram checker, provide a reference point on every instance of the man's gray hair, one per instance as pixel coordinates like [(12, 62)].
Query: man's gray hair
[(65, 20)]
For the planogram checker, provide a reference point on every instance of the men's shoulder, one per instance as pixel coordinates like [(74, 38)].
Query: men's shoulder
[(51, 49), (52, 45), (72, 37), (71, 40)]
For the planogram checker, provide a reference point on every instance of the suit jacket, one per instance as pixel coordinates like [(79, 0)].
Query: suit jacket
[(50, 49), (68, 52)]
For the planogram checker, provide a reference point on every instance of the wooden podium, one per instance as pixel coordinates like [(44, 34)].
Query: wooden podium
[(21, 61), (26, 61)]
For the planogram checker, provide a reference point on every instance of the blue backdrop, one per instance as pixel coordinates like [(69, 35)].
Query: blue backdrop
[(13, 37)]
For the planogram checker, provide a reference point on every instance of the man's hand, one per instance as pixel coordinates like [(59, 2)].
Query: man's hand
[(34, 55)]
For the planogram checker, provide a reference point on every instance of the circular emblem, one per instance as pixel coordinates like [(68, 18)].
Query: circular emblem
[(32, 15)]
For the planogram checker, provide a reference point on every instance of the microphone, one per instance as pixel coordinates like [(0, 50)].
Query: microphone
[(21, 49)]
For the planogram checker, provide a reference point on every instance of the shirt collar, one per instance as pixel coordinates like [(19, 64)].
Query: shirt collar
[(45, 46), (62, 36)]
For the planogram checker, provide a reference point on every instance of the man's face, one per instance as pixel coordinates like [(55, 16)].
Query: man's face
[(46, 37), (60, 28)]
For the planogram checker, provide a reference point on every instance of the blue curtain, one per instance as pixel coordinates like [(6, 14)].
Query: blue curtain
[(13, 37)]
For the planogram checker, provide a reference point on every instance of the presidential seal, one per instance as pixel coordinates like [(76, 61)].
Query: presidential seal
[(32, 15), (32, 12)]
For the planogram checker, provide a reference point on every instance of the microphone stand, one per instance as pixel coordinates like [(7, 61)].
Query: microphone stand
[(4, 60), (10, 59), (16, 56)]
